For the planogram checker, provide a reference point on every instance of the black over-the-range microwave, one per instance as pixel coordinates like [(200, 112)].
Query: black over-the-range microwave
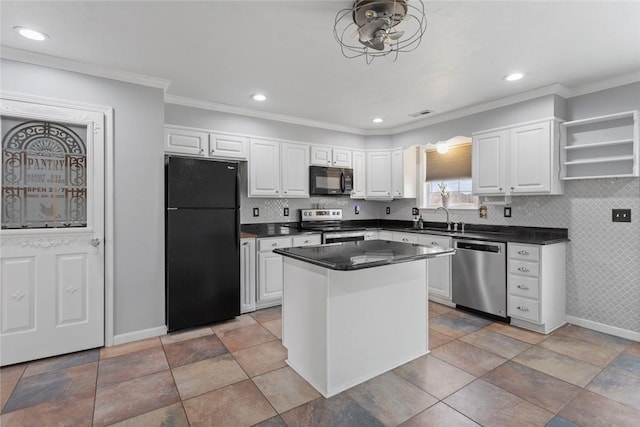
[(330, 181)]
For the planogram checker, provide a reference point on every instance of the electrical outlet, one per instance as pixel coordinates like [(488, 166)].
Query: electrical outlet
[(356, 210), (621, 215), (256, 211), (415, 211), (388, 210), (286, 212), (507, 212)]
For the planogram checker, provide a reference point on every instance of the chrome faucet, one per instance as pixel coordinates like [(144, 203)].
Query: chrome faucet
[(447, 211)]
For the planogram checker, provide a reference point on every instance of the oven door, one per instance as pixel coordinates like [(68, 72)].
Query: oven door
[(342, 236), (326, 181)]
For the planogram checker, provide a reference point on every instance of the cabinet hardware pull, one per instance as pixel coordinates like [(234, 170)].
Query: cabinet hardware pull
[(245, 243), (434, 243), (523, 287), (523, 269), (274, 244), (404, 239), (500, 188), (201, 150), (523, 252), (306, 241), (522, 308), (513, 188)]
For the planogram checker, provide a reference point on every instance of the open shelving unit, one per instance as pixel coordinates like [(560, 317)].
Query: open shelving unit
[(601, 147)]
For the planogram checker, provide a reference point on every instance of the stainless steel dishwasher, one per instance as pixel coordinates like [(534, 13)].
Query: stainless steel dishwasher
[(479, 276)]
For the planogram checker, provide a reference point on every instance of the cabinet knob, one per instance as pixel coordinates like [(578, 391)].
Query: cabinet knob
[(523, 252), (523, 287), (513, 188), (404, 239), (201, 150), (522, 308), (285, 192), (306, 241), (434, 243), (500, 188), (523, 269), (274, 244)]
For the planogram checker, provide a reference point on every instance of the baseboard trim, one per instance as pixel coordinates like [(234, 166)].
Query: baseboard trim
[(139, 335), (607, 329)]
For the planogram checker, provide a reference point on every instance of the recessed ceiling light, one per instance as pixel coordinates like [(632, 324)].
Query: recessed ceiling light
[(31, 34), (259, 97), (513, 77), (377, 120)]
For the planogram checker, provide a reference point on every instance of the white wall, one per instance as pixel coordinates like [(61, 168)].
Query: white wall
[(139, 198)]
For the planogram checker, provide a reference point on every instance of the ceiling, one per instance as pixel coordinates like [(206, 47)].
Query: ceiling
[(221, 52)]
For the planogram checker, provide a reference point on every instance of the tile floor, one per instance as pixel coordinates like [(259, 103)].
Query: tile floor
[(234, 374)]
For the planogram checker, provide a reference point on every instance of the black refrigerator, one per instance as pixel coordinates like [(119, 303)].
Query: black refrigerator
[(202, 241)]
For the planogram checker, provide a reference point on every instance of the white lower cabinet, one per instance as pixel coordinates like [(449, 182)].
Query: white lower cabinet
[(371, 235), (536, 286), (247, 275), (438, 270), (270, 266), (404, 237)]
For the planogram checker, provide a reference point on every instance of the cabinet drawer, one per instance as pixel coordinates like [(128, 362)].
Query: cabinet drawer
[(523, 268), (372, 235), (523, 252), (276, 243), (314, 239), (405, 237), (524, 308), (437, 241), (524, 286)]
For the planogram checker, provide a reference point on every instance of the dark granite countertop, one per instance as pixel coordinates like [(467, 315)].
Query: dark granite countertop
[(362, 254), (494, 233)]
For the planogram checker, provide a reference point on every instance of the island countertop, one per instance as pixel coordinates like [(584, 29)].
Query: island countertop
[(362, 254)]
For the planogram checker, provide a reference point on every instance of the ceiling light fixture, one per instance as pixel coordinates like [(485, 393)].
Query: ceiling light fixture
[(513, 77), (370, 28), (259, 97), (31, 34), (377, 120), (442, 147)]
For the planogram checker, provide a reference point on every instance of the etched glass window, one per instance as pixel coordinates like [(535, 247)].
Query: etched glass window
[(44, 174)]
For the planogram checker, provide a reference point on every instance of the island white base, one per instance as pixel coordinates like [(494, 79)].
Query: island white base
[(342, 328)]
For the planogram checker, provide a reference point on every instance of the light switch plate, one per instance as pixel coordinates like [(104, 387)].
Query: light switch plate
[(286, 212), (621, 215), (256, 211), (388, 210), (507, 212)]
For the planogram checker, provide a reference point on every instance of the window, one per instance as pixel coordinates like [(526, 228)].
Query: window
[(460, 196)]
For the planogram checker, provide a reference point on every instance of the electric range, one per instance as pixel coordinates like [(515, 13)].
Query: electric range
[(329, 222)]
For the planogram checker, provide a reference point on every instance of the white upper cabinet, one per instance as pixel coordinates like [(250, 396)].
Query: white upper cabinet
[(228, 146), (378, 174), (359, 174), (403, 173), (295, 170), (517, 160), (278, 169), (181, 140), (331, 157), (264, 168)]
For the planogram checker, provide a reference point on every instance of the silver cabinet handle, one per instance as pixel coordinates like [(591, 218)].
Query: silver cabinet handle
[(513, 188), (94, 242), (404, 239), (213, 151), (307, 241), (522, 308), (274, 244), (500, 188), (201, 150), (523, 269), (245, 243), (523, 287), (434, 243), (523, 252)]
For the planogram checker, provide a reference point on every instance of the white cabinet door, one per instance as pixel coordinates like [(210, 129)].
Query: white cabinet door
[(185, 141), (397, 173), (379, 174), (270, 278), (405, 237), (321, 156), (359, 175), (489, 163), (228, 146), (307, 240), (341, 158), (264, 168), (530, 153), (439, 269), (295, 170), (247, 275)]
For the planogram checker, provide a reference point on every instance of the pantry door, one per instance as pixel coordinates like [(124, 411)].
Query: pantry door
[(52, 236)]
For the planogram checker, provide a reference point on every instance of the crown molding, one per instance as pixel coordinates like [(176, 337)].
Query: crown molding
[(606, 84), (83, 67), (224, 108)]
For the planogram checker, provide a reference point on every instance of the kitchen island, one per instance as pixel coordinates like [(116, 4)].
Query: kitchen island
[(354, 310)]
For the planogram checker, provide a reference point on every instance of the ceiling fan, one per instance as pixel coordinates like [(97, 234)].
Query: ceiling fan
[(374, 24)]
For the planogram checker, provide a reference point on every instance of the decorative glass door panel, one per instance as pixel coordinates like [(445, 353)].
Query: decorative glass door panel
[(44, 174)]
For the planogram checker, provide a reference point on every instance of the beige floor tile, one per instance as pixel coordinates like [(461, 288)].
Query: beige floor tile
[(275, 327), (558, 365), (592, 410), (633, 349), (436, 309), (267, 314), (517, 333), (457, 324), (262, 358), (594, 337), (436, 339), (494, 342), (175, 337), (285, 389), (207, 375), (434, 376), (238, 405), (489, 405), (533, 386), (169, 416), (73, 412), (440, 415), (582, 350), (465, 356), (131, 347), (339, 410), (9, 377), (616, 384), (131, 365), (391, 399), (62, 362), (194, 350), (238, 339), (238, 322)]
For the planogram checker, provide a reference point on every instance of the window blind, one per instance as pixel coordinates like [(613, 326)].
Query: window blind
[(454, 164)]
